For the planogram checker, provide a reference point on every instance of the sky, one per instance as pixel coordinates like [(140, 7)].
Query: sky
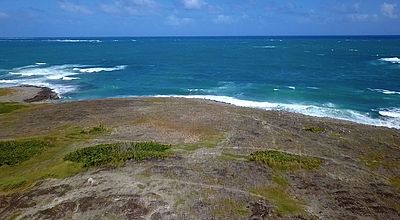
[(83, 18)]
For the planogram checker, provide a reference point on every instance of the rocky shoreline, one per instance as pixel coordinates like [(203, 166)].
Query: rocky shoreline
[(29, 94), (210, 173)]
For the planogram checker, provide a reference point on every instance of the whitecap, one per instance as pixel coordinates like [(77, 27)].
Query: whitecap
[(74, 41), (385, 91), (292, 87), (312, 87), (100, 69), (327, 110), (276, 89), (390, 113), (391, 60), (265, 47)]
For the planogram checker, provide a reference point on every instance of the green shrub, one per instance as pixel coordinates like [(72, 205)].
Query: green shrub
[(100, 128), (285, 161), (314, 129), (117, 153), (9, 107), (14, 152)]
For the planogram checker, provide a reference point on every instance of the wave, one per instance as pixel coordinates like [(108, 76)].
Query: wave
[(40, 74), (292, 87), (385, 91), (100, 69), (74, 41), (391, 112), (328, 110), (391, 60), (265, 47)]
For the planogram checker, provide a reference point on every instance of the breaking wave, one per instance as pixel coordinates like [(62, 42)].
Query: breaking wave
[(328, 110)]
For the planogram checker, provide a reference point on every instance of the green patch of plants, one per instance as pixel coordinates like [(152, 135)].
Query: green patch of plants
[(230, 208), (100, 128), (209, 141), (6, 91), (230, 157), (14, 152), (285, 161), (314, 129), (395, 181), (279, 196), (7, 107), (373, 160), (118, 153)]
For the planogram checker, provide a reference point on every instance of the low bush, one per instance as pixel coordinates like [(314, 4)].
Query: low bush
[(285, 161), (118, 153), (9, 107), (14, 152)]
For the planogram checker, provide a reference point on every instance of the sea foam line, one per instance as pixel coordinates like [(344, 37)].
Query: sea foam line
[(391, 60), (329, 110)]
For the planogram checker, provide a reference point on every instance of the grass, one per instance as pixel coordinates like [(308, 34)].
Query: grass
[(395, 182), (6, 91), (279, 196), (115, 154), (373, 160), (7, 107), (209, 141), (47, 162), (232, 157), (285, 161), (14, 152), (230, 208), (314, 129)]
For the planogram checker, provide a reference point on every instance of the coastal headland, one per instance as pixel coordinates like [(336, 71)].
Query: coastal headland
[(178, 158)]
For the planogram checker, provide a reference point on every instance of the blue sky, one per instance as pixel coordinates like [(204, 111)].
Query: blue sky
[(64, 18)]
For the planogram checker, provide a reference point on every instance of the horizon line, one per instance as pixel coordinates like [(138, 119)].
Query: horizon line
[(194, 36)]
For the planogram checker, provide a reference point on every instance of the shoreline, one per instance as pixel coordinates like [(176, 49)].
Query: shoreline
[(36, 94)]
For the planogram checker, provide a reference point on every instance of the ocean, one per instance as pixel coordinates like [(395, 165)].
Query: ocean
[(349, 78)]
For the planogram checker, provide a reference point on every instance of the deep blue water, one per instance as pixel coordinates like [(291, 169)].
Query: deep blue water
[(351, 78)]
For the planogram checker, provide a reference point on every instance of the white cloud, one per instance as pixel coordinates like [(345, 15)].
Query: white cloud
[(132, 7), (3, 15), (358, 17), (193, 4), (389, 10), (223, 19), (73, 7), (177, 21)]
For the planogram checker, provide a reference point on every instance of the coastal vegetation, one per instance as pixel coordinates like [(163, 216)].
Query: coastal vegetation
[(114, 154), (314, 129), (14, 152), (7, 107), (285, 161), (6, 91)]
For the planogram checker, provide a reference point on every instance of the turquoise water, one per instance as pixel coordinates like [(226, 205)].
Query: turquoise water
[(351, 78)]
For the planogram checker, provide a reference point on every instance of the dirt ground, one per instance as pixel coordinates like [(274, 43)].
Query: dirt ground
[(209, 176)]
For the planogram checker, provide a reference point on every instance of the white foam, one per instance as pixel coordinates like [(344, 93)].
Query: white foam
[(8, 81), (328, 110), (385, 91), (133, 40), (292, 87), (312, 87), (276, 89), (391, 60), (391, 114), (50, 76), (266, 47), (100, 69), (40, 64), (74, 41)]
